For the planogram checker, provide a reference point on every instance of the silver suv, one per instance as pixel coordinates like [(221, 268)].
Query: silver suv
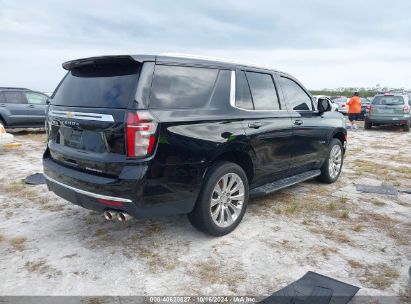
[(389, 109), (22, 108)]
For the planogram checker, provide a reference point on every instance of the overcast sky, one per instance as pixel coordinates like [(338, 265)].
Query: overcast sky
[(325, 44)]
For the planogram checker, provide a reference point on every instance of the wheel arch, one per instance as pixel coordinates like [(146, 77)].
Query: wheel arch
[(5, 115), (341, 135), (3, 121), (241, 158)]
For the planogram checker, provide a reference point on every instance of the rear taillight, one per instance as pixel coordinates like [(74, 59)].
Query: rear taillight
[(141, 134), (368, 108), (406, 109)]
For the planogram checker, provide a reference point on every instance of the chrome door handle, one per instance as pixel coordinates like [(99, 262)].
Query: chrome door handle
[(254, 125), (298, 122)]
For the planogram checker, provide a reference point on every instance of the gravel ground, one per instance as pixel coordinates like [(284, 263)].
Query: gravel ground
[(359, 238)]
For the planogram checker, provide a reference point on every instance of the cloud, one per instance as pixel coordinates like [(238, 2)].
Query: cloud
[(323, 43)]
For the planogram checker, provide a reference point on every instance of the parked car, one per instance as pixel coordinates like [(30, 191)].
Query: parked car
[(364, 102), (389, 109), (22, 108), (143, 136), (334, 106), (341, 101), (5, 138)]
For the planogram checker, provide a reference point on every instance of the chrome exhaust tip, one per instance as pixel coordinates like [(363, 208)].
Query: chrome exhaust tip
[(110, 215), (123, 217)]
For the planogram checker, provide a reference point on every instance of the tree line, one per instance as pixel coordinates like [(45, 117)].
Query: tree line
[(364, 92)]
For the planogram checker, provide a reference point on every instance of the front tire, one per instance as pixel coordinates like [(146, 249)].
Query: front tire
[(331, 169), (222, 201)]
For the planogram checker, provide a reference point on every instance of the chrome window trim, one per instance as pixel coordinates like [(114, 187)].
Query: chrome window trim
[(82, 115), (232, 90), (232, 98), (95, 195)]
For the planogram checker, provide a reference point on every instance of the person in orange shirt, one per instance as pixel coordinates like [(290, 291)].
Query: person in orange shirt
[(354, 109)]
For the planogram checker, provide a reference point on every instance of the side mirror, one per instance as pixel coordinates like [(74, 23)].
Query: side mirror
[(48, 101), (324, 105)]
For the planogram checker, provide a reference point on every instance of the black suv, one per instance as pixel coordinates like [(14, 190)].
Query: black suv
[(143, 136), (22, 108)]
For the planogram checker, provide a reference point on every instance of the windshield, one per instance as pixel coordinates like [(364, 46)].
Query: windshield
[(98, 85), (336, 97), (388, 100)]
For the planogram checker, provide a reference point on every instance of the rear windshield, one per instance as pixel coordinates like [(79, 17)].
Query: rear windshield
[(99, 85), (388, 100)]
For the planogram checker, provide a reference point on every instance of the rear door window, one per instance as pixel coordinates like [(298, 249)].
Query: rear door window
[(296, 98), (177, 87), (99, 86), (14, 97), (35, 98), (242, 92), (263, 91)]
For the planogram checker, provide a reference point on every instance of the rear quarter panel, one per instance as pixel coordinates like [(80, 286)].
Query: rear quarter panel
[(195, 140), (187, 144)]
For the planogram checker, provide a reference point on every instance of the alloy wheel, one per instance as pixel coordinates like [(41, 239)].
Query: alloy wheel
[(334, 164), (227, 200)]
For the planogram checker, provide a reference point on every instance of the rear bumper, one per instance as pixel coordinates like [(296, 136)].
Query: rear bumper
[(134, 191), (90, 200), (87, 193), (388, 120)]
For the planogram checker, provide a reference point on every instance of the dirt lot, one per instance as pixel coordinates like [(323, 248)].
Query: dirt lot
[(360, 238)]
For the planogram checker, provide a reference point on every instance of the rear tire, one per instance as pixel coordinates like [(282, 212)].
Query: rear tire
[(331, 169), (222, 201), (367, 125), (406, 128)]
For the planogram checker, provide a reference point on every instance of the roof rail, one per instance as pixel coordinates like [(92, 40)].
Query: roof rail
[(12, 88), (225, 60), (401, 90)]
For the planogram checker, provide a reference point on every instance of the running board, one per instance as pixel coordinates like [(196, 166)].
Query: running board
[(283, 183)]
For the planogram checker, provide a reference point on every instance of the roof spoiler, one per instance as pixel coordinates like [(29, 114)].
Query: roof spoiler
[(120, 59)]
